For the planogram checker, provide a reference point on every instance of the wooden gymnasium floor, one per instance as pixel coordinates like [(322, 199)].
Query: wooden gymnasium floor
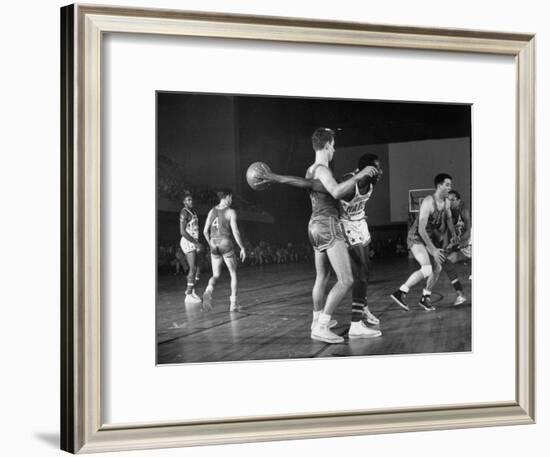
[(276, 317)]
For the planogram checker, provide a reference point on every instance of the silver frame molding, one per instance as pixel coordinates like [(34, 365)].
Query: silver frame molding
[(82, 425)]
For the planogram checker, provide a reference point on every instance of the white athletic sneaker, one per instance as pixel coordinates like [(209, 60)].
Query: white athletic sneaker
[(192, 298), (195, 296), (360, 330), (369, 317), (333, 323), (234, 306), (322, 333), (460, 299)]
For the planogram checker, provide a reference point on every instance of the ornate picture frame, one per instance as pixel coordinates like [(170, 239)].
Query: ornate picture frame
[(83, 426)]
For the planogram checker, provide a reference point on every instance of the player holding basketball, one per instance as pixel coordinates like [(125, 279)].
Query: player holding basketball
[(353, 218), (326, 234), (220, 226), (425, 240), (189, 243)]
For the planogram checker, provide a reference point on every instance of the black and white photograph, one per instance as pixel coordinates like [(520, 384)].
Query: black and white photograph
[(294, 227)]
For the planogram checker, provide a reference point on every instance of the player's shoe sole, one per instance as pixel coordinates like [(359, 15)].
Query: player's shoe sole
[(401, 303), (427, 308), (364, 333)]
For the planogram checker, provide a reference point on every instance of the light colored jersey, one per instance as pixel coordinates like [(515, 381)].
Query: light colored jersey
[(354, 210), (192, 226), (354, 218)]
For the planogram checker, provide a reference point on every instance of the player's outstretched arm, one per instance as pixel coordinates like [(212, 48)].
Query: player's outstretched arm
[(339, 190), (295, 181)]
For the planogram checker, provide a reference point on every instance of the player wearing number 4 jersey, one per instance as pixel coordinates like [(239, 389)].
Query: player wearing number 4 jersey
[(220, 227)]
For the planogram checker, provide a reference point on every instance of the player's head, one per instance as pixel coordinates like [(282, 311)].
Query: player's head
[(370, 160), (323, 140), (225, 196), (454, 198), (187, 199), (442, 183)]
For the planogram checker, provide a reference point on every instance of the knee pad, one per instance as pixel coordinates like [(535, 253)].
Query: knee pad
[(426, 270)]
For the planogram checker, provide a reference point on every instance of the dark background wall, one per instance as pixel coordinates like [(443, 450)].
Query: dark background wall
[(212, 139)]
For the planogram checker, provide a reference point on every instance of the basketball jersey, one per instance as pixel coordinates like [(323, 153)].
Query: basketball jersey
[(354, 209), (434, 226), (192, 226), (220, 226), (458, 220), (322, 204)]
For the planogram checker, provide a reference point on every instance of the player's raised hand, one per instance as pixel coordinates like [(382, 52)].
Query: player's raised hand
[(369, 171)]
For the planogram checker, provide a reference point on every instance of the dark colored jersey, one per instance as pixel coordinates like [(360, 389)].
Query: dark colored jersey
[(220, 226), (458, 219), (435, 227), (322, 203)]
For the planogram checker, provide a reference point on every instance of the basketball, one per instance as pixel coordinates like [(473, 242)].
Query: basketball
[(253, 176)]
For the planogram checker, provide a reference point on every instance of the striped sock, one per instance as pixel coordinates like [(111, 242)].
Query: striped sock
[(189, 289), (357, 311)]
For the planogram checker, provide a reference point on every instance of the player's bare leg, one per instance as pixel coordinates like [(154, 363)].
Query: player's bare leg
[(231, 263), (322, 269), (340, 262), (450, 269), (190, 294), (421, 255), (217, 262), (359, 267), (425, 301)]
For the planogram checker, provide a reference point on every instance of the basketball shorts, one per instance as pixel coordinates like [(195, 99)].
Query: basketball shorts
[(324, 231), (415, 238), (357, 232), (221, 247), (187, 246)]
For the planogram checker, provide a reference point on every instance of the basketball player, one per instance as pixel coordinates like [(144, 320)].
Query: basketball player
[(353, 219), (327, 237), (356, 229), (425, 240), (461, 250), (189, 243), (220, 225)]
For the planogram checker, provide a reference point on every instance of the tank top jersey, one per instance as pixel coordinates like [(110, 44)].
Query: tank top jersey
[(354, 210), (220, 227), (322, 204), (458, 220), (192, 226), (435, 227)]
